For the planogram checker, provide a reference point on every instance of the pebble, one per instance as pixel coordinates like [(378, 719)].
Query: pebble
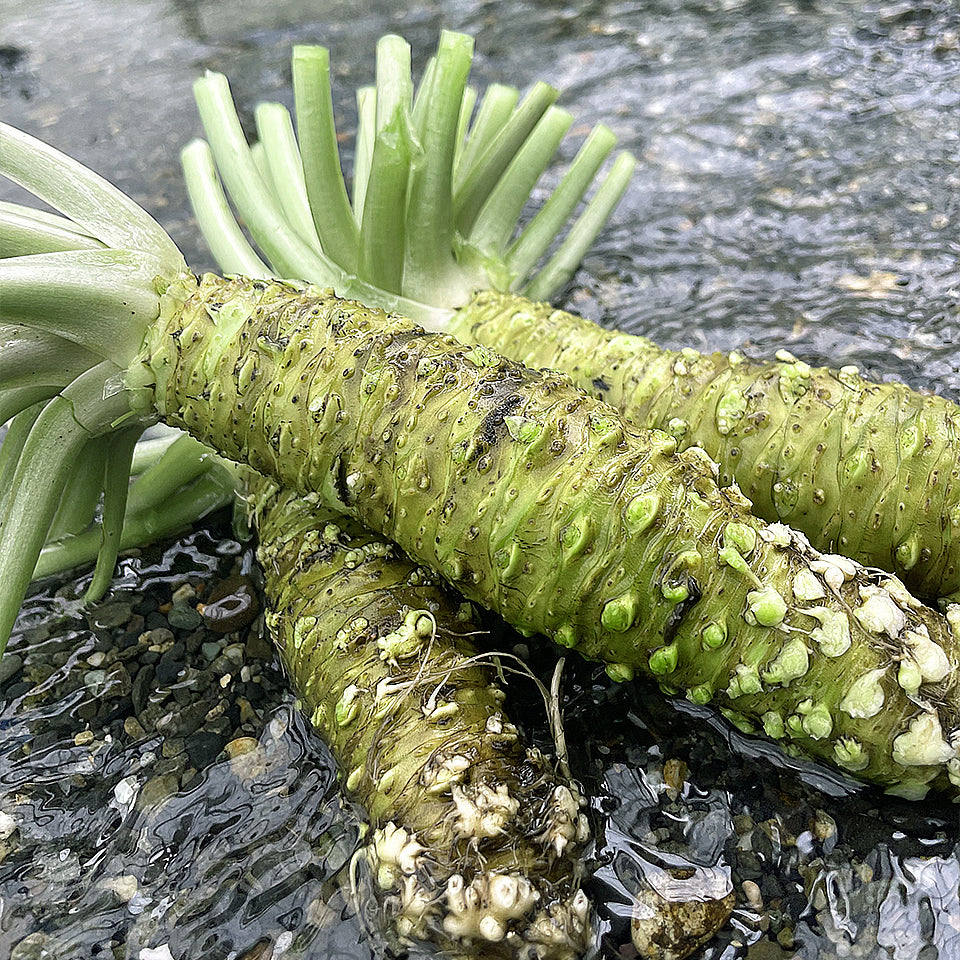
[(183, 616), (94, 679), (10, 665), (185, 593), (235, 652), (117, 682), (31, 947), (126, 791), (262, 950), (240, 746), (171, 664), (8, 825), (17, 690), (125, 887), (674, 774), (156, 953), (231, 606), (141, 688), (752, 892), (156, 790), (204, 748), (110, 615), (259, 646), (144, 684), (172, 747), (159, 638), (211, 650)]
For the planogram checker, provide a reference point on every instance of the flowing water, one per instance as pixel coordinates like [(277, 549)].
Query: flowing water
[(798, 187)]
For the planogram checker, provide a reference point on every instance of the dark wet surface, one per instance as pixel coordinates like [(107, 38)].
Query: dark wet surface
[(799, 187)]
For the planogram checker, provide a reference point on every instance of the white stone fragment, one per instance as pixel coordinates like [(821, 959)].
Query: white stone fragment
[(7, 825), (126, 790), (283, 943), (155, 953)]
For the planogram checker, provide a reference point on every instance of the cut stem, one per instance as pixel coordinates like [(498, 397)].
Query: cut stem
[(332, 216)]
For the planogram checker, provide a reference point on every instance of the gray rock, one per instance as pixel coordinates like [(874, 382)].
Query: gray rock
[(10, 665)]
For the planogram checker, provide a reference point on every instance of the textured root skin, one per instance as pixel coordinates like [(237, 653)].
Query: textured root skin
[(868, 470), (543, 504), (474, 839)]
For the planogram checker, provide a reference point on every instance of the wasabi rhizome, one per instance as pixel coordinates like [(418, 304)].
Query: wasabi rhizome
[(527, 495)]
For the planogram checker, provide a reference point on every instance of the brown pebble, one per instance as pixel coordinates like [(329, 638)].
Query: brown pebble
[(133, 728), (664, 929), (674, 773), (232, 605), (156, 790), (240, 746), (262, 950)]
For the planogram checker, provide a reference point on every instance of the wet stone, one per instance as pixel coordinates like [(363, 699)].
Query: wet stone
[(155, 620), (183, 616), (133, 729), (134, 627), (156, 790), (31, 947), (211, 650), (203, 748), (194, 642), (185, 692), (159, 638), (10, 665), (171, 664), (109, 615), (169, 766), (18, 689), (258, 646), (36, 634), (141, 688), (117, 682)]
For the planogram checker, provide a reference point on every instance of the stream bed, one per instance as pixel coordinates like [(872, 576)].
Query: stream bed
[(161, 797)]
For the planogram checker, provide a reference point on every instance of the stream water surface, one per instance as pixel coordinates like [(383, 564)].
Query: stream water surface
[(798, 187)]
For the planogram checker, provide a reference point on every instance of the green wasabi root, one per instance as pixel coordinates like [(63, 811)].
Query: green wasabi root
[(475, 843), (546, 506), (869, 470)]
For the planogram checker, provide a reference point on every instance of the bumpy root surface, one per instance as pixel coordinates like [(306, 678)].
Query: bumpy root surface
[(543, 504), (476, 844)]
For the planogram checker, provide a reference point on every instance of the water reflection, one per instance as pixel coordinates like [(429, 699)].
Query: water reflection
[(130, 823)]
